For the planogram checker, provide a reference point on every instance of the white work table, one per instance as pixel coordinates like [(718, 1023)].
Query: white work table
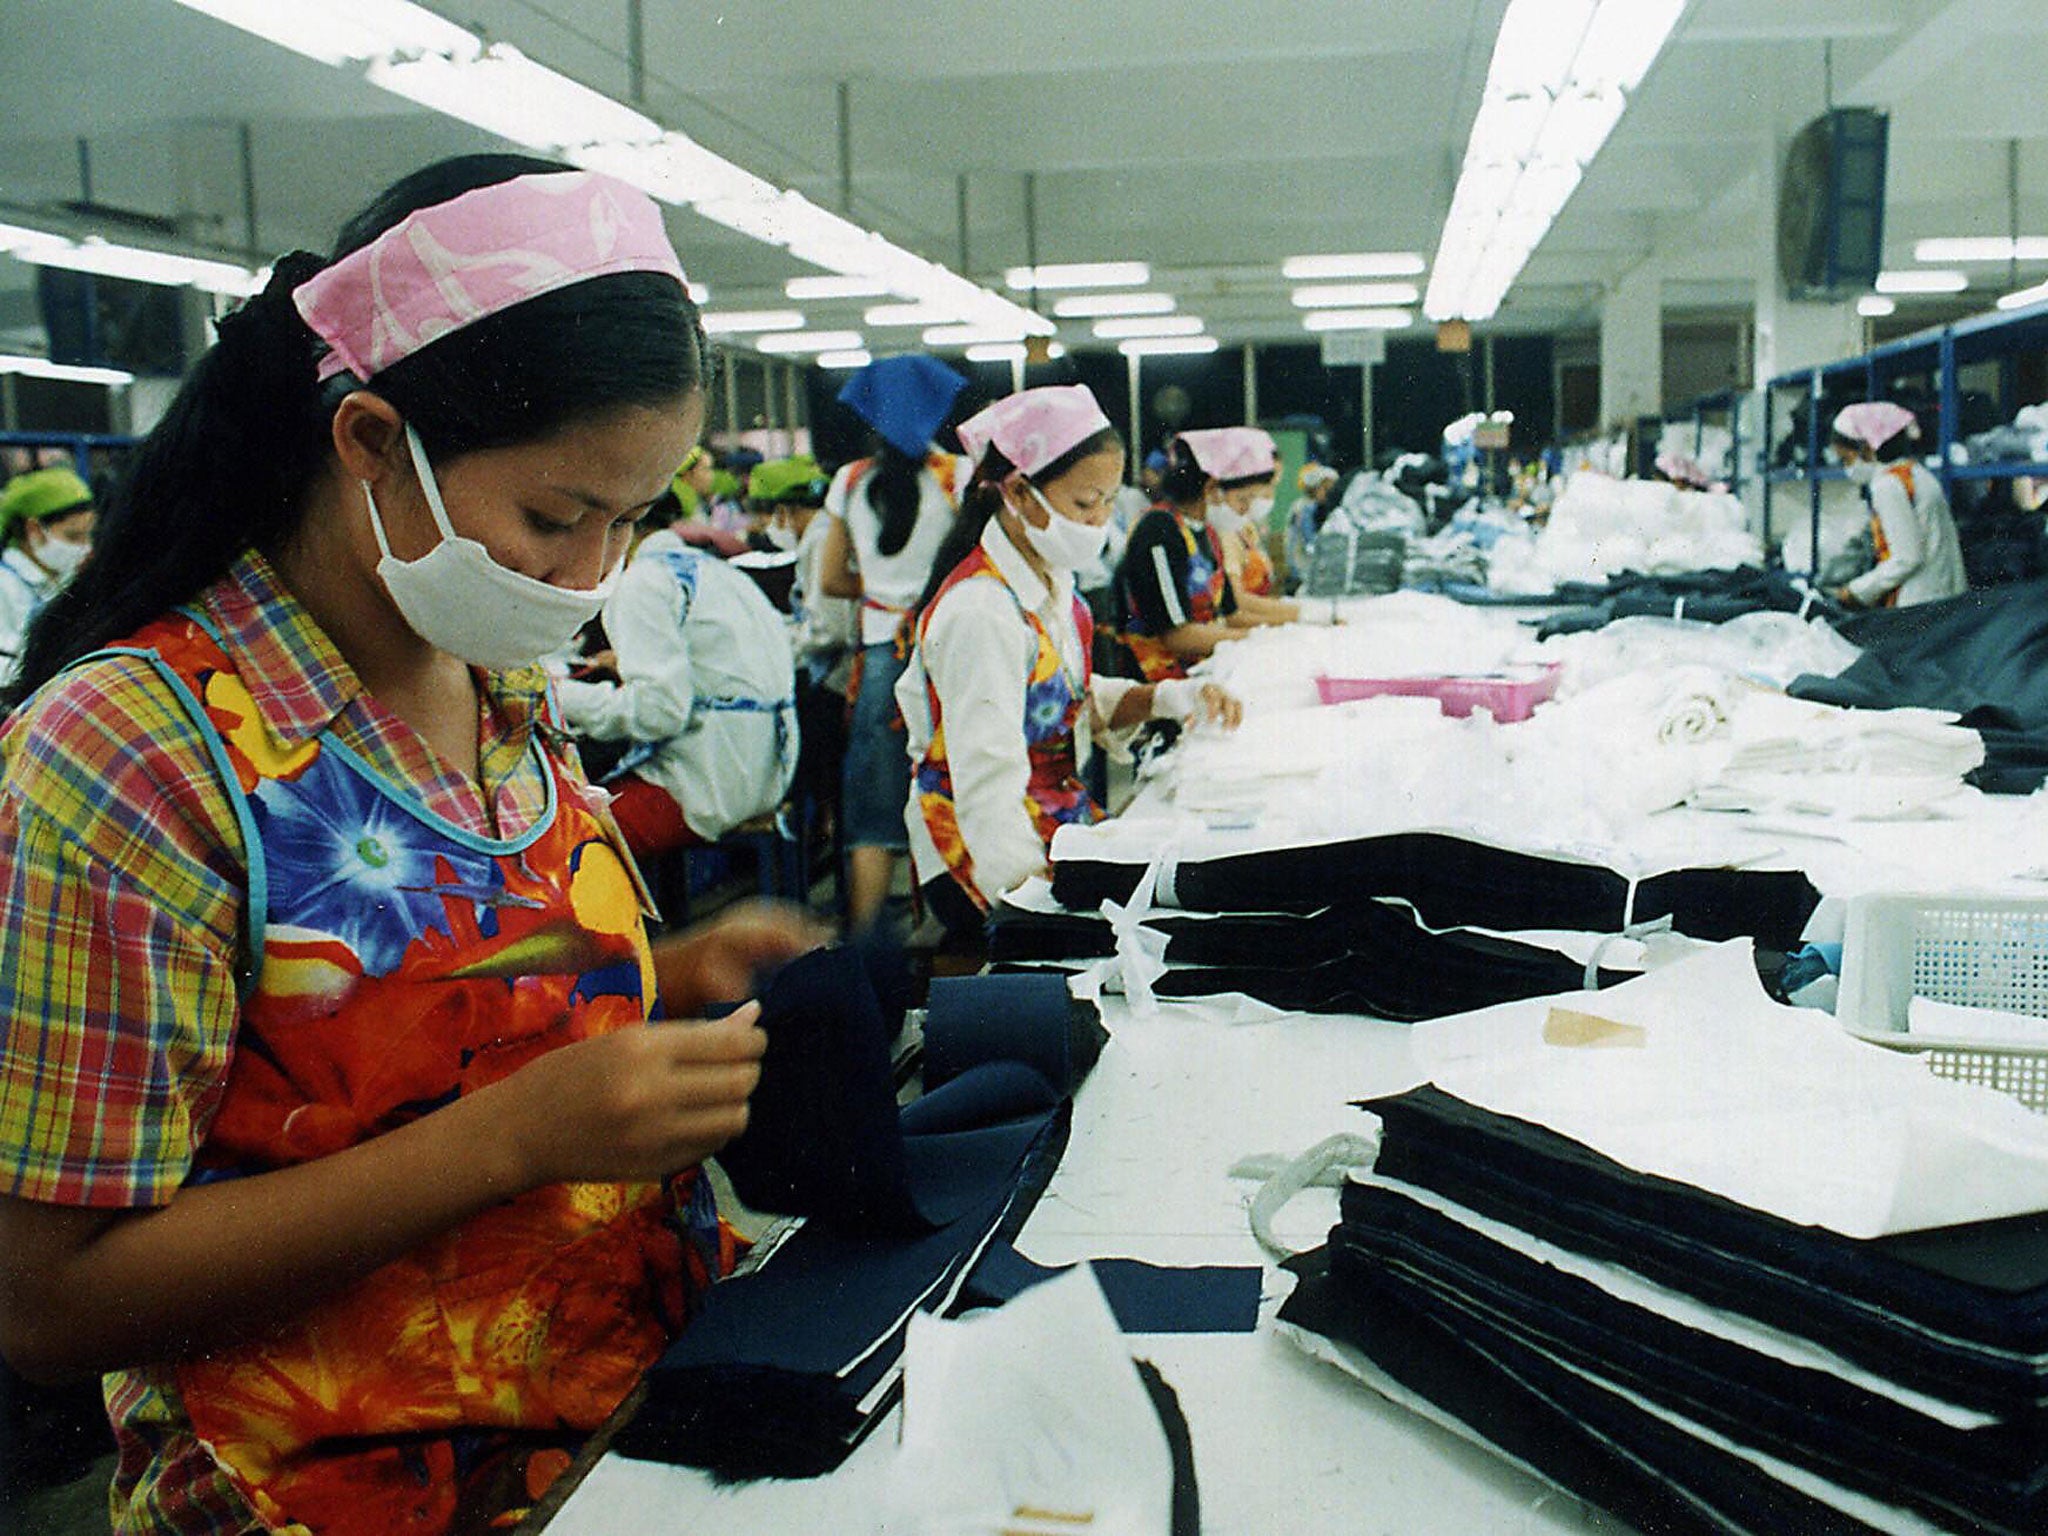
[(1281, 1442)]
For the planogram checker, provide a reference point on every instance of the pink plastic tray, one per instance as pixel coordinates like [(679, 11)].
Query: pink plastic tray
[(1507, 699)]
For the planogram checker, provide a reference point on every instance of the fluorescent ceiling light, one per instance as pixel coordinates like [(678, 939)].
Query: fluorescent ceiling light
[(835, 288), (1355, 264), (343, 31), (2024, 297), (70, 373), (1357, 319), (1933, 280), (1085, 305), (1875, 306), (1168, 346), (809, 341), (1558, 82), (734, 321), (92, 254), (888, 315), (852, 357), (1006, 352), (1148, 325), (968, 335), (504, 92), (1982, 248), (1084, 274), (1350, 295), (674, 168)]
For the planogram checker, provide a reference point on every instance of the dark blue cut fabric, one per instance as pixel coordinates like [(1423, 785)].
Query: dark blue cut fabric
[(1847, 1433), (1146, 1298), (1568, 1427), (1453, 882), (1960, 1313), (1035, 1020)]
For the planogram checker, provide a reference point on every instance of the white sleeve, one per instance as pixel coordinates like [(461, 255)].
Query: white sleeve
[(1905, 542), (978, 654), (651, 701)]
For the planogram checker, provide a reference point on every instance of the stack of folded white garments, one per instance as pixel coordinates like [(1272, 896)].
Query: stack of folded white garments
[(1600, 527), (1705, 1262)]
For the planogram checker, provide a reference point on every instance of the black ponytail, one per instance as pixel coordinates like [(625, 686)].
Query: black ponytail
[(228, 467), (1184, 481), (895, 490), (984, 498)]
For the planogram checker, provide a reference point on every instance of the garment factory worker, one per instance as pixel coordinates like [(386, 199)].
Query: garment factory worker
[(1318, 485), (1240, 514), (1173, 587), (1918, 557), (704, 520), (329, 1123), (705, 692), (1000, 697), (890, 512), (46, 523)]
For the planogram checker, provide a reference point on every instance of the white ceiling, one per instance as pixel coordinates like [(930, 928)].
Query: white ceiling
[(1208, 140)]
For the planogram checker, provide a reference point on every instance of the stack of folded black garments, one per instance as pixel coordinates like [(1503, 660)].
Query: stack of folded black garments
[(1683, 1361), (1391, 926)]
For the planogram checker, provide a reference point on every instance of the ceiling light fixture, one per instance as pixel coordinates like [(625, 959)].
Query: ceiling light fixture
[(1356, 264), (835, 288), (1981, 248), (43, 248), (1168, 346), (1351, 295), (70, 373), (852, 357), (1357, 320), (733, 322), (1148, 325), (1082, 274), (2024, 296), (1933, 280), (809, 341), (1560, 78), (1875, 306), (1083, 306)]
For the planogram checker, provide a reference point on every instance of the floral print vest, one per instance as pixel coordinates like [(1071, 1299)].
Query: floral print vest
[(1204, 592), (398, 962), (1053, 702)]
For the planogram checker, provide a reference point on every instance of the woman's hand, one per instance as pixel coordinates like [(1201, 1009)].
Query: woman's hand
[(1219, 707), (719, 961), (636, 1104)]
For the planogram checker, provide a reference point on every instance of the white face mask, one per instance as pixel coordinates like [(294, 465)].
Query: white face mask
[(457, 598), (1063, 544), (58, 556), (1262, 508), (1224, 518), (782, 536), (1860, 471)]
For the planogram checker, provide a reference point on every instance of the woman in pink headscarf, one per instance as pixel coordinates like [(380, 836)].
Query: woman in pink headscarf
[(1000, 698), (331, 1127), (1918, 557)]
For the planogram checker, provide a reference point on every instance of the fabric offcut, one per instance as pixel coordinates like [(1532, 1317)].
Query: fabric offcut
[(1452, 882), (1983, 655)]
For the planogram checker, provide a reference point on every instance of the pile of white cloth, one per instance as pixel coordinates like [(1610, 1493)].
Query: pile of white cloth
[(1600, 527)]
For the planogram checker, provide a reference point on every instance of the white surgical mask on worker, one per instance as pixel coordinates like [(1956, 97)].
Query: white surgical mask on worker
[(457, 598), (1262, 508), (60, 557), (782, 536), (1860, 471), (1063, 544), (1224, 518)]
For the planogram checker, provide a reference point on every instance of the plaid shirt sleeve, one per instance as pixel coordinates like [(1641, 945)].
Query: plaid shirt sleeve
[(122, 888)]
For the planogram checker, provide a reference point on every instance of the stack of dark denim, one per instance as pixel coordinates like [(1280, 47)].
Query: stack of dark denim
[(1686, 1362)]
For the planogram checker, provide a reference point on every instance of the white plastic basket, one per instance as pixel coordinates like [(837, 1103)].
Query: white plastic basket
[(1972, 951)]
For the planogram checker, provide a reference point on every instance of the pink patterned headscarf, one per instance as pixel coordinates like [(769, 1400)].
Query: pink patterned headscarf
[(1875, 422), (1231, 453), (1034, 427), (448, 266)]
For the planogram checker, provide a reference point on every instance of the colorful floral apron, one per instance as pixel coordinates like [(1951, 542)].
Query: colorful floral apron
[(1053, 701), (400, 962), (1201, 597), (1903, 473)]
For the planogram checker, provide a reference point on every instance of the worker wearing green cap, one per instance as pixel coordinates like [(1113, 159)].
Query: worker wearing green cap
[(46, 521)]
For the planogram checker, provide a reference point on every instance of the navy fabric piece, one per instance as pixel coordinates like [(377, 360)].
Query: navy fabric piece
[(824, 1136), (1453, 882), (1186, 1516), (771, 1378), (1571, 1429), (1035, 1020), (1146, 1298), (1846, 1433), (1709, 597), (1983, 654), (1960, 1313)]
